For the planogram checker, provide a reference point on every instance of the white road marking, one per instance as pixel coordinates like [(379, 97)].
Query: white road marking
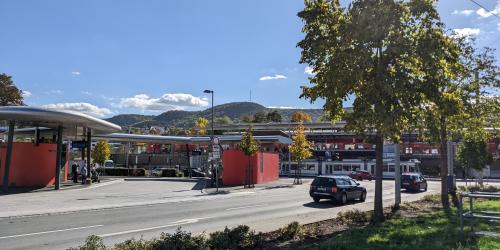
[(236, 208), (175, 223), (48, 232)]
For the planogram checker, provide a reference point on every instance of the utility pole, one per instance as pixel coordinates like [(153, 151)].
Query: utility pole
[(212, 141), (397, 175)]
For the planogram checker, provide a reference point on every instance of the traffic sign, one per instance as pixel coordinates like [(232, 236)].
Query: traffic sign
[(216, 151), (215, 140)]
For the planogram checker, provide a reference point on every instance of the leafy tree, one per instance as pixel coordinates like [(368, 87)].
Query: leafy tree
[(473, 151), (274, 116), (260, 117), (9, 93), (101, 152), (300, 150), (224, 120), (367, 50), (301, 116), (200, 127), (249, 146), (247, 118)]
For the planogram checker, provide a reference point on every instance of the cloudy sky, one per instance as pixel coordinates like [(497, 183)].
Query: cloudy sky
[(110, 57)]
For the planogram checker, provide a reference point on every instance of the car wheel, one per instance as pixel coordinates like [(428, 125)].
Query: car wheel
[(360, 179), (363, 196), (343, 199), (425, 189), (316, 200)]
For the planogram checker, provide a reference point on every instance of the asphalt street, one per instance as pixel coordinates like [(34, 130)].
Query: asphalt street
[(263, 209)]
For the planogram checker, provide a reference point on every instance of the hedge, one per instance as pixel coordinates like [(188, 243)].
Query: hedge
[(123, 171), (171, 172)]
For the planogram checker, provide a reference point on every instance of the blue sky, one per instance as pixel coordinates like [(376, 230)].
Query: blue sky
[(108, 57)]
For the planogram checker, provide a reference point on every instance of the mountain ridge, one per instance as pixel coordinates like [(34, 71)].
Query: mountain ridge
[(186, 119)]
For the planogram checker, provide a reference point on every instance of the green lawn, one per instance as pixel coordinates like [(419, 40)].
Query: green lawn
[(437, 230)]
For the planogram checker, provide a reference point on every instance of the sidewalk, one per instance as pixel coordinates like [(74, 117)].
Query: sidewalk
[(283, 182)]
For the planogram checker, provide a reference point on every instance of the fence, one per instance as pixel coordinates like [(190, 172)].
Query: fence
[(474, 214)]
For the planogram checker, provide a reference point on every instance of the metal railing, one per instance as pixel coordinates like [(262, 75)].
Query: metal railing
[(475, 214)]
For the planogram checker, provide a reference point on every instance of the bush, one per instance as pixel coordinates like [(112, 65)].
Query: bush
[(478, 188), (171, 172), (133, 244), (239, 237), (291, 231), (432, 198), (180, 240), (353, 217), (92, 242), (122, 171)]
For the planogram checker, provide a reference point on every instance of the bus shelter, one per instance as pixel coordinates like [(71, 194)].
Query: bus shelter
[(42, 122)]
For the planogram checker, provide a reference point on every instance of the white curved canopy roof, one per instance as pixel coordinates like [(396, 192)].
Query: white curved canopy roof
[(69, 120)]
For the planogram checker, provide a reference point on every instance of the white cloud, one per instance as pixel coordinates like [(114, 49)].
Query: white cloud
[(309, 70), (498, 26), (466, 32), (463, 12), (86, 93), (275, 77), (82, 107), (26, 93), (76, 73), (165, 102), (485, 14)]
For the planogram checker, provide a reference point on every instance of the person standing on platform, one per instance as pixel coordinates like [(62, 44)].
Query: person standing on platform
[(83, 172), (74, 170)]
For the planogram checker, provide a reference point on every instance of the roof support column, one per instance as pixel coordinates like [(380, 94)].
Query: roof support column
[(8, 156), (89, 146), (58, 157)]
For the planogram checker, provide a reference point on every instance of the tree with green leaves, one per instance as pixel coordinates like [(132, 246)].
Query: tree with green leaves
[(9, 93), (250, 147), (473, 151), (101, 152), (301, 116), (300, 150), (223, 120), (367, 50), (260, 117), (274, 116)]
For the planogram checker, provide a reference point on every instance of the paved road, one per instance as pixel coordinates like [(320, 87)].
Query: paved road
[(262, 209)]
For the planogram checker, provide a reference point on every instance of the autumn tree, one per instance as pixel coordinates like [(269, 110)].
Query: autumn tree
[(367, 50), (250, 147), (9, 93), (101, 152), (200, 127), (301, 116), (246, 118), (300, 150)]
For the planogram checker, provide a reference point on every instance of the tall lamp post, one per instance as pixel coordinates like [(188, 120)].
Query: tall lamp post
[(207, 91)]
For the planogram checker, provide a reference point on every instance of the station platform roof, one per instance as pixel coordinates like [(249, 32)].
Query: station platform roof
[(70, 121)]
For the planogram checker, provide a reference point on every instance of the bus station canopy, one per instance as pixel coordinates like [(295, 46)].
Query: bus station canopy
[(70, 121), (160, 139)]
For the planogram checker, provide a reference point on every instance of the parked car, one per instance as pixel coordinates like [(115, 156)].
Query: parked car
[(337, 188), (413, 182), (361, 175)]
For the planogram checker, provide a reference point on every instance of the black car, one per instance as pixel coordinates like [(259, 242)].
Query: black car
[(336, 188), (413, 182)]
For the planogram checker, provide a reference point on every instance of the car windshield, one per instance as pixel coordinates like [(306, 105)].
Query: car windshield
[(407, 177)]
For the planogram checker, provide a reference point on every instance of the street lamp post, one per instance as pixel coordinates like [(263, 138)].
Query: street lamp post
[(212, 139)]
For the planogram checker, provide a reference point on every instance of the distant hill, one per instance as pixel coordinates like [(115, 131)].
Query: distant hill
[(186, 119)]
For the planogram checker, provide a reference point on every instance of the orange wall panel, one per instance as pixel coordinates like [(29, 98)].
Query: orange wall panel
[(31, 165)]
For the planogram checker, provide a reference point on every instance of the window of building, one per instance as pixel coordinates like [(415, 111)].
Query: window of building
[(337, 167)]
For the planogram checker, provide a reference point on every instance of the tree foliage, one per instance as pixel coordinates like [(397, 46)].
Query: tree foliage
[(301, 147), (101, 152), (301, 116), (274, 116), (260, 117), (223, 120), (200, 127), (473, 149), (368, 50), (248, 144), (9, 93)]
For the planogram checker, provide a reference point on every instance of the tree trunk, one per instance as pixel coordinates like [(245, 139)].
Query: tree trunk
[(378, 210), (444, 163)]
